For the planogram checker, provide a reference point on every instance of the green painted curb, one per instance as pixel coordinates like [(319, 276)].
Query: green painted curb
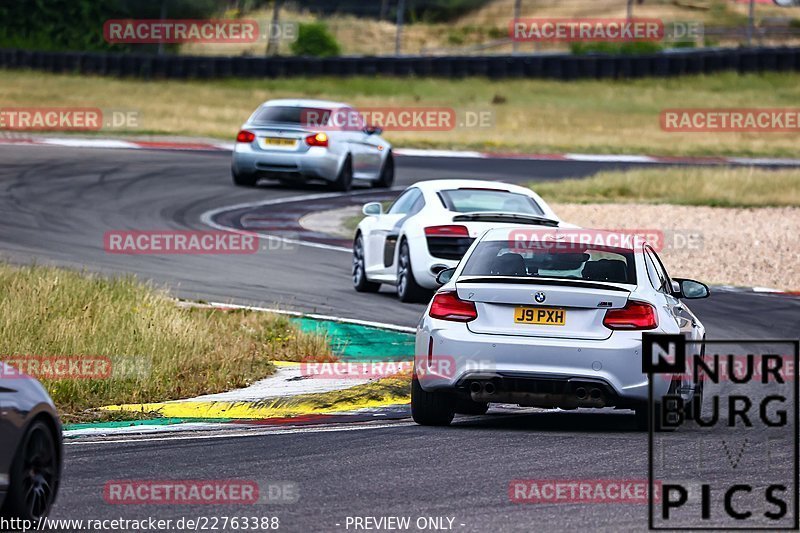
[(354, 342), (131, 423)]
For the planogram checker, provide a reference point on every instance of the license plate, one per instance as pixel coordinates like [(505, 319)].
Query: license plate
[(278, 141), (540, 315)]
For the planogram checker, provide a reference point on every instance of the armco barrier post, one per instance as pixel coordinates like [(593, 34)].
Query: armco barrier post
[(112, 65), (606, 67), (767, 60), (223, 67), (695, 63), (784, 60), (748, 61)]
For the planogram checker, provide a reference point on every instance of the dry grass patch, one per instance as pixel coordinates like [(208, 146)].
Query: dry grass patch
[(527, 115), (157, 350), (712, 186)]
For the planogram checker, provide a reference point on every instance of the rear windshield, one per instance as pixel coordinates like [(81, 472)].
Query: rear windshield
[(292, 115), (502, 258), (488, 200)]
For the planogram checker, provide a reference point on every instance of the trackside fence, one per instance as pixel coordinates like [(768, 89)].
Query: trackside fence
[(555, 66)]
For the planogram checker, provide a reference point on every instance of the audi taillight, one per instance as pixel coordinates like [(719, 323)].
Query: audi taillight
[(245, 136), (635, 315), (317, 139), (448, 306), (447, 231)]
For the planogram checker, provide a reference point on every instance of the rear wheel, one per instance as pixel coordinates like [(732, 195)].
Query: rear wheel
[(408, 290), (360, 282), (430, 408), (386, 178), (34, 475), (242, 179), (345, 178)]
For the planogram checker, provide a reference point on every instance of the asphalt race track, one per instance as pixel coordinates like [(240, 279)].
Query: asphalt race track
[(55, 206)]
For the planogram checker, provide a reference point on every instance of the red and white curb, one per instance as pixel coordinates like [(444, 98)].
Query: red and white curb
[(203, 146)]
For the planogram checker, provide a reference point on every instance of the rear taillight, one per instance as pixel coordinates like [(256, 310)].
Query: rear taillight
[(317, 139), (447, 231), (635, 315), (448, 306), (245, 136)]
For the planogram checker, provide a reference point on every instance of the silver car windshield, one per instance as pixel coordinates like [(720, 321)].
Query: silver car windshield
[(506, 258), (292, 115)]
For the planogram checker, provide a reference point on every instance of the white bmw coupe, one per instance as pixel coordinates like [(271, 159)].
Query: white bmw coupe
[(429, 228)]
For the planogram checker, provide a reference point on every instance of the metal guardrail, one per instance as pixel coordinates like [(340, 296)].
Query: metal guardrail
[(553, 66)]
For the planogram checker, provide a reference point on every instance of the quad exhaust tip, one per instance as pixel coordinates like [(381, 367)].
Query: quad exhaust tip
[(580, 392), (475, 387), (595, 394), (489, 388)]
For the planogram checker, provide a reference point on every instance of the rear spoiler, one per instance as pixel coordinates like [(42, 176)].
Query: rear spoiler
[(518, 218), (544, 281)]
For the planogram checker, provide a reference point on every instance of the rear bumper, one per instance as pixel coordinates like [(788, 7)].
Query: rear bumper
[(316, 163), (532, 365)]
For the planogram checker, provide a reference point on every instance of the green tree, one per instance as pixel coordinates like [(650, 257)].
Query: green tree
[(314, 39)]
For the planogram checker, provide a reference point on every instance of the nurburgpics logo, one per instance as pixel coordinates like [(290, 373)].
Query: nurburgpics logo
[(723, 442)]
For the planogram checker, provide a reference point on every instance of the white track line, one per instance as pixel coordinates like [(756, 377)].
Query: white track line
[(245, 433), (207, 218)]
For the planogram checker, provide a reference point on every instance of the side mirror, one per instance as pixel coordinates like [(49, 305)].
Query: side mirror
[(691, 289), (445, 275), (372, 209), (373, 130)]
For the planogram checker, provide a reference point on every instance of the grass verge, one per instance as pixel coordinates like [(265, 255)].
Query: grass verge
[(525, 115), (710, 186), (157, 350)]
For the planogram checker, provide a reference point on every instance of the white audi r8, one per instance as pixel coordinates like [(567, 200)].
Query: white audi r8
[(430, 226), (550, 319)]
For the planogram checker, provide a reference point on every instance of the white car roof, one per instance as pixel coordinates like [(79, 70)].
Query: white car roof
[(444, 184), (614, 239), (305, 103)]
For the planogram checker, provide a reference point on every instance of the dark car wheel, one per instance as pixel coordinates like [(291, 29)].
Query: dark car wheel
[(386, 178), (345, 179), (430, 408), (34, 475), (408, 290), (242, 179), (466, 406), (360, 282)]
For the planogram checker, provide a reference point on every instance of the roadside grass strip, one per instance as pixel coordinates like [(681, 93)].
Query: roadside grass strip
[(380, 393), (576, 117)]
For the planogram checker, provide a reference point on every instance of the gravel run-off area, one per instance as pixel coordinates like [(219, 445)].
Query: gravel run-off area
[(757, 247)]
